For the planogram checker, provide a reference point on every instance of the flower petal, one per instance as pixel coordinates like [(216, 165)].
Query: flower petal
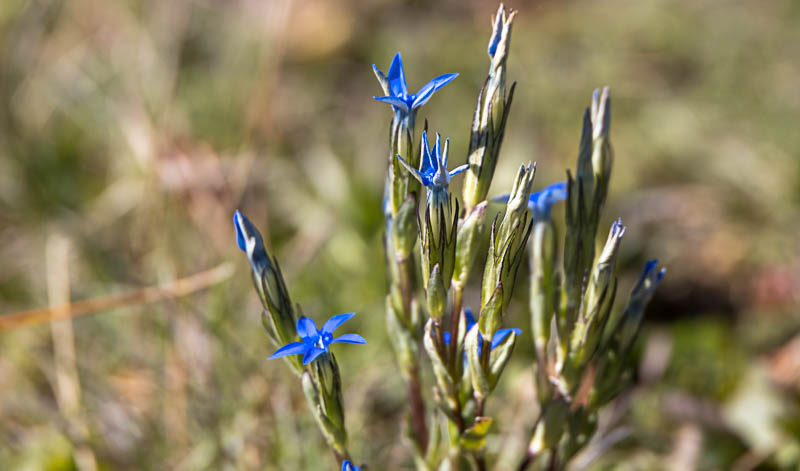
[(503, 198), (394, 101), (294, 348), (501, 335), (446, 336), (397, 78), (306, 328), (428, 165), (541, 201), (334, 322), (423, 178), (312, 354), (470, 318), (426, 92), (350, 338), (458, 170)]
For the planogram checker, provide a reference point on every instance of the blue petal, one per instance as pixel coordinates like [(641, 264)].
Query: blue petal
[(350, 338), (334, 322), (458, 170), (426, 92), (397, 78), (501, 335), (437, 151), (428, 165), (237, 216), (294, 348), (348, 466), (505, 197), (312, 354), (306, 328), (446, 336), (394, 101), (470, 318), (424, 178), (497, 34), (648, 267), (541, 201)]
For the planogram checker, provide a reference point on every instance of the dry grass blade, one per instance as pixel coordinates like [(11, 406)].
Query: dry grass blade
[(150, 294)]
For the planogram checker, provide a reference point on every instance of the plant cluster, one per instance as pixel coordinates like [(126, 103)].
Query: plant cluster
[(582, 350)]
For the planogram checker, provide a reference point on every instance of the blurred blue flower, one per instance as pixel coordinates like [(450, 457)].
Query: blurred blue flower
[(650, 276), (542, 201), (348, 466), (396, 89), (313, 342), (497, 339), (434, 174)]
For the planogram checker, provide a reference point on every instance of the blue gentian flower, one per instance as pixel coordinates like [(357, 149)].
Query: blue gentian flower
[(542, 201), (348, 466), (497, 339), (434, 174), (649, 274), (313, 342), (249, 240), (396, 89)]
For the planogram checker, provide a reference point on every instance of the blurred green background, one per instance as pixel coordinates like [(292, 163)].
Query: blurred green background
[(131, 130)]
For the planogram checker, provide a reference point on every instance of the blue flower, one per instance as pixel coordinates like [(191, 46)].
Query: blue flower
[(396, 89), (249, 240), (348, 466), (434, 174), (313, 342), (497, 339), (541, 202), (650, 276)]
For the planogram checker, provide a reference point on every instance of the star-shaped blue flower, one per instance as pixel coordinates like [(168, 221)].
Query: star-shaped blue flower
[(396, 88), (497, 339), (434, 174), (348, 466), (542, 201), (313, 342)]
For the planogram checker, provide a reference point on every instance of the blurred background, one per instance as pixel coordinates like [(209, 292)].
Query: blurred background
[(131, 130)]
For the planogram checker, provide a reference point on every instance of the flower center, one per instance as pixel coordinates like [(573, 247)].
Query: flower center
[(323, 341)]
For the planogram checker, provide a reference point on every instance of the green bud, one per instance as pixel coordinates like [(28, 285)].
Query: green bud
[(438, 241), (597, 302), (480, 377), (544, 297), (467, 243), (446, 389), (322, 386), (507, 246), (269, 283), (491, 115), (602, 152), (642, 293)]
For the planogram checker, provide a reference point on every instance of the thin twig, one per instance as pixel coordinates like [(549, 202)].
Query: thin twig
[(150, 294)]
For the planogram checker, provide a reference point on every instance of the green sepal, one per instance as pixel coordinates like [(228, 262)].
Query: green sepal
[(436, 295), (404, 228), (492, 312)]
